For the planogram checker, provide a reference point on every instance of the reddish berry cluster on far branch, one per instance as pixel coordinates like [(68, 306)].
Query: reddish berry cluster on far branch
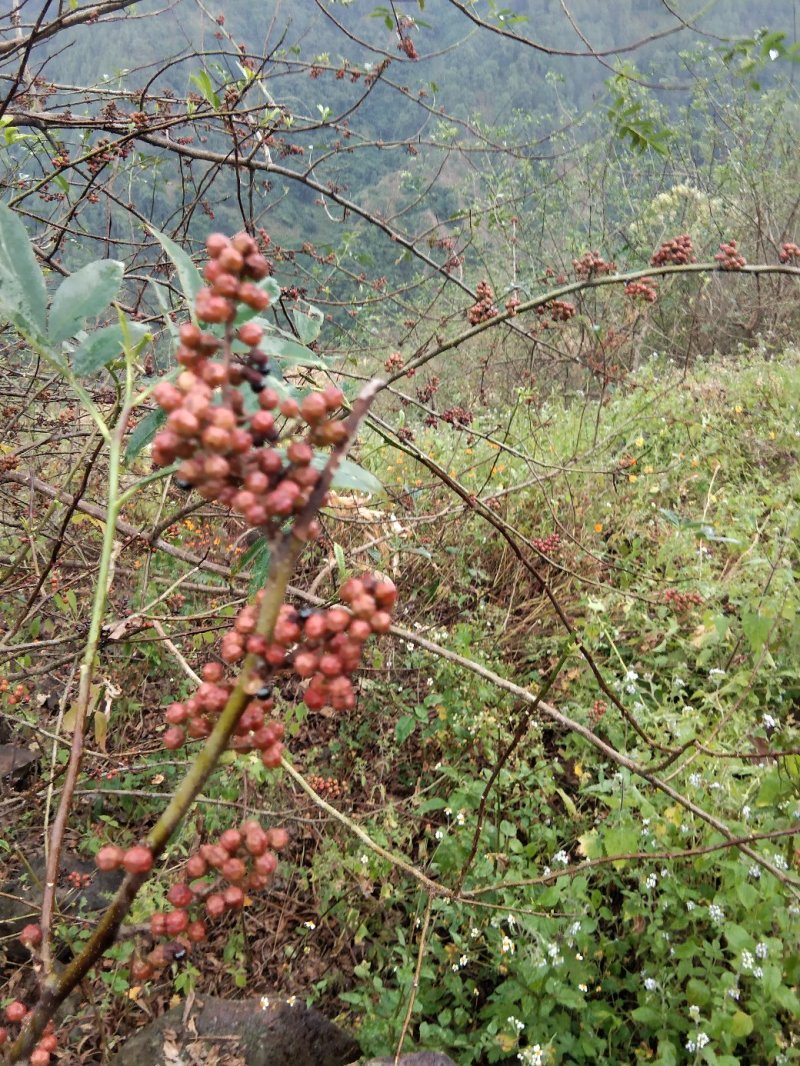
[(646, 289), (548, 545), (679, 250), (682, 601), (555, 311), (729, 257), (790, 252), (592, 264), (228, 455), (484, 308)]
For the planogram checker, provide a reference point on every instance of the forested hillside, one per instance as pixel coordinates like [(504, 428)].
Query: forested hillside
[(399, 612)]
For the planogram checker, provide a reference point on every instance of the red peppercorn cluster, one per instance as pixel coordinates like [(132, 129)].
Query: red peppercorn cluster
[(599, 708), (790, 252), (549, 545), (679, 250), (457, 416), (16, 1014), (394, 362), (729, 257), (327, 646), (230, 456), (645, 288), (512, 303), (682, 601), (484, 307), (555, 311), (245, 858), (329, 787), (134, 860), (429, 389), (592, 264)]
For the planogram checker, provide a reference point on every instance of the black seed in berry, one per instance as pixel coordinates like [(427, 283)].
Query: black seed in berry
[(304, 613), (184, 486), (257, 386)]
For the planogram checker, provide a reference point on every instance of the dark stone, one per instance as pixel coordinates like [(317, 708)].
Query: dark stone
[(418, 1058), (21, 897), (240, 1033), (16, 762)]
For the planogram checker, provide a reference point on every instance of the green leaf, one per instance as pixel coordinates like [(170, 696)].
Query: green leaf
[(188, 274), (144, 433), (289, 353), (621, 841), (338, 551), (308, 326), (259, 565), (83, 295), (104, 346), (350, 475), (697, 992), (404, 728), (756, 628), (741, 1024), (23, 297), (206, 87)]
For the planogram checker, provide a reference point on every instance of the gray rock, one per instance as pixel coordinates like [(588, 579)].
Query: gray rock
[(20, 898), (266, 1032)]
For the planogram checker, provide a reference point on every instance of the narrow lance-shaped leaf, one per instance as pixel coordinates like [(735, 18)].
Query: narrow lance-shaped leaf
[(83, 295)]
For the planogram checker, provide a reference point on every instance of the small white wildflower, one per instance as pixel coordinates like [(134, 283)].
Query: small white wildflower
[(515, 1023), (754, 871), (511, 919), (507, 946), (690, 905), (650, 984), (460, 818), (264, 1003), (578, 956), (702, 1040), (745, 812), (758, 973), (716, 913), (779, 861), (448, 812), (583, 988), (552, 950), (364, 859), (652, 881), (762, 950), (439, 834), (631, 675), (691, 1046), (454, 967), (747, 960), (716, 672), (463, 960), (694, 1012), (733, 992), (410, 645), (310, 925), (630, 689), (769, 722), (678, 682), (429, 682), (695, 780), (474, 932), (561, 857), (575, 928)]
